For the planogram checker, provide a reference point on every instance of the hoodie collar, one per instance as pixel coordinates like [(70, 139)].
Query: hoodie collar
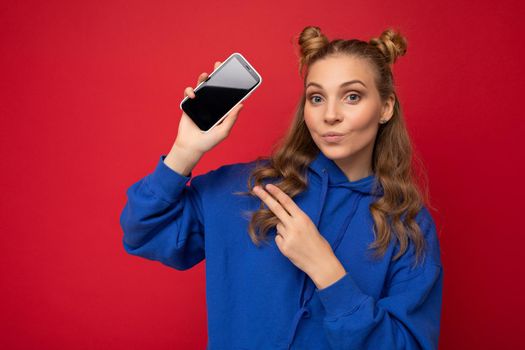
[(336, 177)]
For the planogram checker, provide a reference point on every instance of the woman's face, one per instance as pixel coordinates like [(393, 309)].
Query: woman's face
[(341, 97)]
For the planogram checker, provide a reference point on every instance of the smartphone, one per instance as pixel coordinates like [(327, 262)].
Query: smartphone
[(229, 84)]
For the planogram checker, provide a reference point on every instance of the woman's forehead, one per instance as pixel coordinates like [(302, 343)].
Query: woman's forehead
[(331, 71)]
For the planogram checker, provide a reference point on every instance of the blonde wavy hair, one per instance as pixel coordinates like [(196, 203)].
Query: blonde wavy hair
[(391, 159)]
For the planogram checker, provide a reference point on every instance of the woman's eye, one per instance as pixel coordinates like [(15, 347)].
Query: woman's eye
[(312, 97), (359, 97)]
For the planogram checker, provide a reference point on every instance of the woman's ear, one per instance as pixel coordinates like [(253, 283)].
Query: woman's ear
[(388, 108)]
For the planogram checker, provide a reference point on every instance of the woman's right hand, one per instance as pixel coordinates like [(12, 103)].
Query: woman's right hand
[(191, 138)]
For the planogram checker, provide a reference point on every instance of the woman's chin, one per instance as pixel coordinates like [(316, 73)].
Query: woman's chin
[(334, 152)]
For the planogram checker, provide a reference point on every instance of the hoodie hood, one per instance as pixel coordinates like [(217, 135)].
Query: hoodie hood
[(322, 166)]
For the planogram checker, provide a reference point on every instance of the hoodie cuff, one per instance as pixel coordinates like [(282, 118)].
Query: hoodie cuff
[(341, 297), (165, 182)]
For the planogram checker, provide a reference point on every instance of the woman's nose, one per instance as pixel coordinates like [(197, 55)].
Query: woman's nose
[(332, 113)]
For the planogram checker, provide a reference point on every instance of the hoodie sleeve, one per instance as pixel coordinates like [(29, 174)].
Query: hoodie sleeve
[(406, 316), (162, 219)]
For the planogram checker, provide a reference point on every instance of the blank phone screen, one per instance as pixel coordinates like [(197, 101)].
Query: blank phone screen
[(223, 90)]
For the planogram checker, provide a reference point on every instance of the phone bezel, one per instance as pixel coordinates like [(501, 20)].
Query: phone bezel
[(250, 69)]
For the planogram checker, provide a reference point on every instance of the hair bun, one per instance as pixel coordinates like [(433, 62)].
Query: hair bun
[(391, 43), (311, 40)]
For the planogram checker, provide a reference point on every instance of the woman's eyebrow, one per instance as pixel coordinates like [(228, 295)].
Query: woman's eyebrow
[(342, 85)]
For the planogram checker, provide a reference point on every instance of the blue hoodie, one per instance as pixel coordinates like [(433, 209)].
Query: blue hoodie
[(256, 298)]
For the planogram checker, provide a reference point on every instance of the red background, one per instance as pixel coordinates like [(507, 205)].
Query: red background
[(90, 97)]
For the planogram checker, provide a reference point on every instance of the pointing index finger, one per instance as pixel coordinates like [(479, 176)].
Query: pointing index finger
[(284, 199), (273, 204)]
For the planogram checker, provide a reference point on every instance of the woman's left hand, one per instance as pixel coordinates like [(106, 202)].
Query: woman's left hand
[(297, 236)]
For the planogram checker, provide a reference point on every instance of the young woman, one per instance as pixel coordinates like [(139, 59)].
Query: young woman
[(338, 250)]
